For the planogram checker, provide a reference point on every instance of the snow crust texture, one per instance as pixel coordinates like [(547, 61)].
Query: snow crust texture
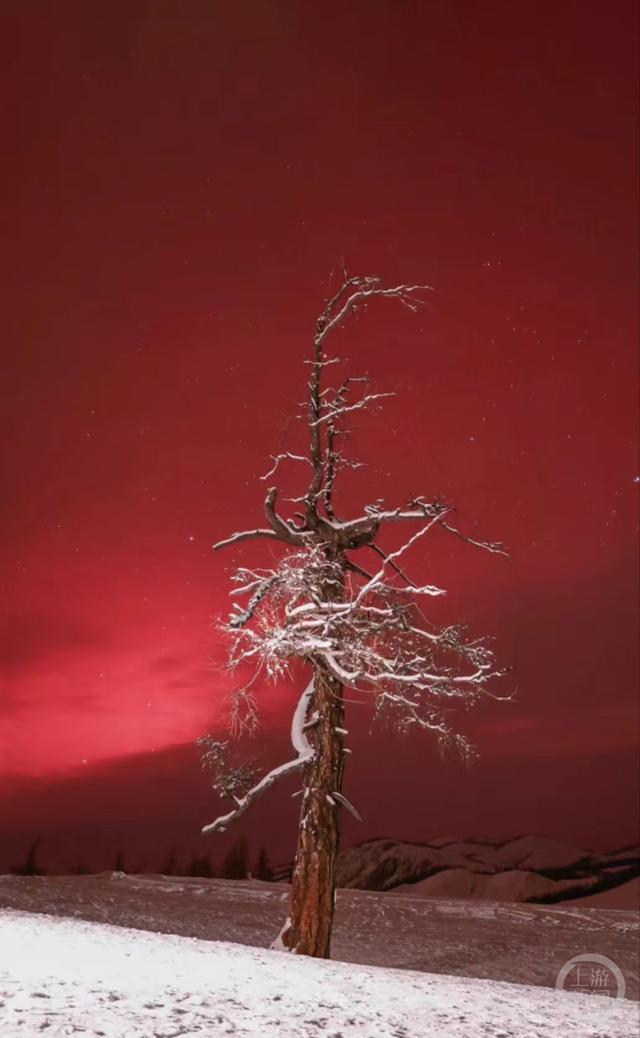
[(489, 940), (63, 976)]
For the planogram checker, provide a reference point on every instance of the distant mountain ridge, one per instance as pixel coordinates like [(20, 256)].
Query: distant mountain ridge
[(525, 868)]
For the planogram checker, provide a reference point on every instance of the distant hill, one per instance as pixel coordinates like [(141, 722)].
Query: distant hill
[(526, 869)]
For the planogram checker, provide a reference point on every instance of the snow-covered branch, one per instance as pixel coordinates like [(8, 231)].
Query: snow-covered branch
[(370, 637), (327, 408), (244, 535), (357, 291), (282, 529), (334, 411), (495, 547), (304, 752), (376, 579), (285, 456)]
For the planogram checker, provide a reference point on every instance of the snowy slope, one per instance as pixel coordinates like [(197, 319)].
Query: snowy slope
[(529, 868), (490, 940), (63, 976), (510, 885)]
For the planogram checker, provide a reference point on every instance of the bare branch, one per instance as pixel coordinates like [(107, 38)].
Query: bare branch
[(334, 457), (346, 803), (230, 779), (338, 411), (280, 527), (394, 566), (392, 556), (221, 823), (304, 754), (285, 456), (262, 589), (361, 532), (364, 289), (420, 507), (354, 568), (495, 548), (353, 292), (245, 535)]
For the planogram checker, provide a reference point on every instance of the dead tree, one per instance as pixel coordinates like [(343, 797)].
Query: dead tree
[(354, 626)]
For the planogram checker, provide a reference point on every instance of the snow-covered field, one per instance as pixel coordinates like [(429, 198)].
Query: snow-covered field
[(64, 976), (490, 940)]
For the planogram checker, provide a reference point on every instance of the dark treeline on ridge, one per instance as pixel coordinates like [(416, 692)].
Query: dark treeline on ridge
[(236, 864)]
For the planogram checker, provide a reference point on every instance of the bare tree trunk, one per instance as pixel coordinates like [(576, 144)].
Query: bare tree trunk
[(313, 882)]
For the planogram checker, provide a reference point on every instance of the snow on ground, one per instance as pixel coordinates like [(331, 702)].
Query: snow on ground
[(490, 940), (62, 976)]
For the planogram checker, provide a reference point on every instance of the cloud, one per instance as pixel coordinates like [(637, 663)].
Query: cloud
[(167, 664), (180, 671), (13, 702), (18, 700), (30, 638)]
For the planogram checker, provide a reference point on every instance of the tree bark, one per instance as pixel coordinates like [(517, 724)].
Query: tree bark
[(313, 881)]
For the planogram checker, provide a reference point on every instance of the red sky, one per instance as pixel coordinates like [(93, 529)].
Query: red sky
[(184, 178)]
